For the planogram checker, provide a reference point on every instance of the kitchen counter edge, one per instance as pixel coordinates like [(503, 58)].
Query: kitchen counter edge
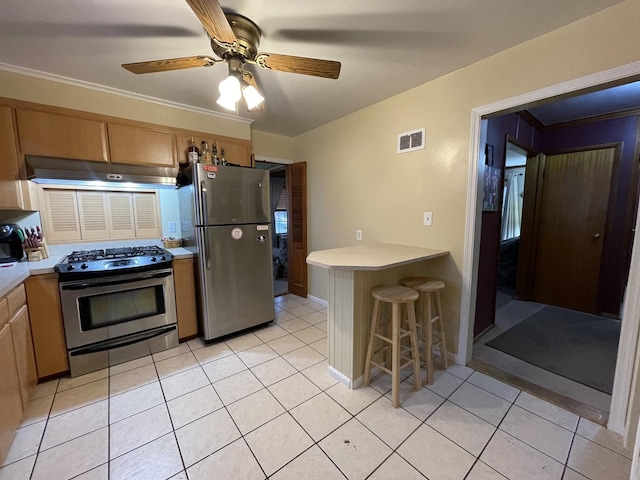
[(11, 277)]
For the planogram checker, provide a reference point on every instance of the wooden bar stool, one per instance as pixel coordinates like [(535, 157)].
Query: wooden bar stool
[(429, 290), (397, 296)]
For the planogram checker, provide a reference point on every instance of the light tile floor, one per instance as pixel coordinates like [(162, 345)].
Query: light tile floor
[(262, 405)]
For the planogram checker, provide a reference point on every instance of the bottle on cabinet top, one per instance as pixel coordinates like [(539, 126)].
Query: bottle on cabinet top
[(192, 151), (206, 153), (223, 161), (216, 160)]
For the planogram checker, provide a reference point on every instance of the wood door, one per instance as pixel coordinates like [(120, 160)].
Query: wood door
[(23, 349), (10, 188), (133, 145), (10, 400), (185, 287), (297, 227), (570, 228)]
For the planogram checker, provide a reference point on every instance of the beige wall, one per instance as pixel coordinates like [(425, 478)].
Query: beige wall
[(357, 181), (271, 146), (48, 92)]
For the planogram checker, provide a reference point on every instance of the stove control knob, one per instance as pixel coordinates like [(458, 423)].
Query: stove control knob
[(153, 259), (71, 267), (163, 258), (84, 266)]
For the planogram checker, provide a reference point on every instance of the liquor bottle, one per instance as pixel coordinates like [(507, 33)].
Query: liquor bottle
[(206, 153), (216, 160), (192, 151), (223, 161)]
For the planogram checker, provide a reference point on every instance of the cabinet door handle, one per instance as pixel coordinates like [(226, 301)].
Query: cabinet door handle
[(596, 236)]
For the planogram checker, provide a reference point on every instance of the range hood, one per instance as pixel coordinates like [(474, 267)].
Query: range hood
[(46, 170)]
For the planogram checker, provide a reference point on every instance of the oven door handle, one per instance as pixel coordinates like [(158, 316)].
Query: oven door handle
[(81, 285), (123, 341)]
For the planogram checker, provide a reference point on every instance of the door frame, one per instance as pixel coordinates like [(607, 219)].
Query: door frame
[(626, 389)]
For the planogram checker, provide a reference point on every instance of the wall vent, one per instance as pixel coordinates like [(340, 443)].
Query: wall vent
[(410, 141)]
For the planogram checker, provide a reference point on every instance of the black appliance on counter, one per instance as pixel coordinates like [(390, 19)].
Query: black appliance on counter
[(10, 243), (118, 304)]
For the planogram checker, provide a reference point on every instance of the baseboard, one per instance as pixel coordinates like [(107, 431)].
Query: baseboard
[(343, 379), (318, 300)]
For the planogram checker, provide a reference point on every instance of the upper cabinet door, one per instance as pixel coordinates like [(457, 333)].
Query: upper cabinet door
[(237, 152), (141, 146), (61, 136), (10, 187)]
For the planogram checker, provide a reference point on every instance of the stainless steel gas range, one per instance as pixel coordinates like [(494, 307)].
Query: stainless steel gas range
[(118, 304)]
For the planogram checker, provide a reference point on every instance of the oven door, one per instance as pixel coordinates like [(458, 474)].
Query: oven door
[(103, 310)]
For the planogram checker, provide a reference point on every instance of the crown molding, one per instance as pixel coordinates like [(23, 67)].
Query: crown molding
[(115, 91)]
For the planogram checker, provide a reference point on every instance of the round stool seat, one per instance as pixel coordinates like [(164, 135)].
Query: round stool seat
[(395, 294), (414, 281), (430, 286)]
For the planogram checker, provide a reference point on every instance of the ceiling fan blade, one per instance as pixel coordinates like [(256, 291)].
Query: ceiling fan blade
[(213, 20), (170, 64), (303, 65)]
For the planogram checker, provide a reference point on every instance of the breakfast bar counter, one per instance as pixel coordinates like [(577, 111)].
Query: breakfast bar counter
[(352, 273)]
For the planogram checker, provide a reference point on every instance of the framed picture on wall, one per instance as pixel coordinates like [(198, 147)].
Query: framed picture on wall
[(491, 191)]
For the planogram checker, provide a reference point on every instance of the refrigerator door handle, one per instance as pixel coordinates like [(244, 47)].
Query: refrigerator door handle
[(203, 203)]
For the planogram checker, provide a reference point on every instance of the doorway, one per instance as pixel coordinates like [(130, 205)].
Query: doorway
[(555, 216)]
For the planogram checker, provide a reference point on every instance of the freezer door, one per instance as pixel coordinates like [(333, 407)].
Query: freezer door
[(231, 195), (236, 279)]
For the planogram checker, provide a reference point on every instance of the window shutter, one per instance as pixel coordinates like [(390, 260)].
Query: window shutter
[(93, 215), (121, 215), (146, 215), (297, 228), (61, 213), (282, 200)]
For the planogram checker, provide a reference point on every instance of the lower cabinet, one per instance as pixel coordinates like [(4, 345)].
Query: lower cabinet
[(47, 328), (185, 287), (10, 401), (23, 349)]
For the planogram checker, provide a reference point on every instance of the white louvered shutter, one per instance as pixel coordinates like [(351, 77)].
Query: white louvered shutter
[(120, 207), (61, 212), (146, 215), (92, 209)]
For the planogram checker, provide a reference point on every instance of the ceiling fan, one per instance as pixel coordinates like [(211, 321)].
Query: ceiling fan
[(235, 40)]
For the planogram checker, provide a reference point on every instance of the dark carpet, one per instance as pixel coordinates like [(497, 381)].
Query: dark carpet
[(575, 345)]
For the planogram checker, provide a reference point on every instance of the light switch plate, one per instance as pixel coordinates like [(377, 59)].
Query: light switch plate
[(428, 218), (172, 227)]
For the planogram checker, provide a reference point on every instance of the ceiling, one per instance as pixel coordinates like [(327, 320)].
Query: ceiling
[(385, 47)]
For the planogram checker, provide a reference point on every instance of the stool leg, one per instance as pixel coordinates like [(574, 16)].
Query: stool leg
[(428, 339), (395, 354), (414, 345), (372, 333), (443, 343)]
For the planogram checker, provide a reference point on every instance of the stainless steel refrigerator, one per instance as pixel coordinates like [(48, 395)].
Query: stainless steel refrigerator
[(226, 222)]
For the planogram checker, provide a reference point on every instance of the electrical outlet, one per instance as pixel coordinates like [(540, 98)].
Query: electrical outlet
[(358, 234), (172, 227), (428, 218)]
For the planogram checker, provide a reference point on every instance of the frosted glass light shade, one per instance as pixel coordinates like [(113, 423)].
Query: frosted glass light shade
[(252, 97)]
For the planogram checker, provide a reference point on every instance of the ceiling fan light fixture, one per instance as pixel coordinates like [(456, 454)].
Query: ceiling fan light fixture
[(252, 96), (230, 92)]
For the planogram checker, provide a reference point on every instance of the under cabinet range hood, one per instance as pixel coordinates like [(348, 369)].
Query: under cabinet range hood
[(45, 170)]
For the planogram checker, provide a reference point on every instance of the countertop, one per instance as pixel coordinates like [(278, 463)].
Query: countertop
[(14, 275), (373, 256)]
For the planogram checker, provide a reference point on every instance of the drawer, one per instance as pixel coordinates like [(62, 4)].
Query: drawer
[(4, 311), (16, 299)]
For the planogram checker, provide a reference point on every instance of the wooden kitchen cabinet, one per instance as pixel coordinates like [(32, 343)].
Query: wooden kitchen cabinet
[(14, 192), (56, 135), (23, 348), (182, 142), (134, 145), (10, 400), (237, 151), (185, 289), (47, 329)]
